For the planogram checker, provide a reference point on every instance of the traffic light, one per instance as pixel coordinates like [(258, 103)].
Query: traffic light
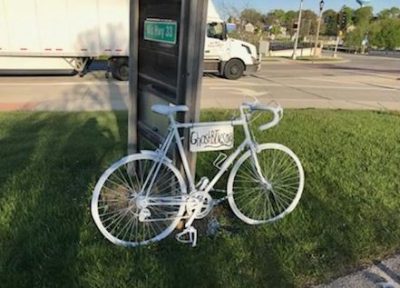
[(343, 20)]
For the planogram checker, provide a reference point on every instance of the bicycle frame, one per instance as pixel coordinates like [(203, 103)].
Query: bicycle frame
[(174, 134), (143, 197)]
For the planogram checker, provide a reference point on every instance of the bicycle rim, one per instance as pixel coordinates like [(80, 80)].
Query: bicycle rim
[(116, 209), (256, 202)]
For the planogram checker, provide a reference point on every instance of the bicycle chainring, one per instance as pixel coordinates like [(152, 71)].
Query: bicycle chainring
[(206, 202)]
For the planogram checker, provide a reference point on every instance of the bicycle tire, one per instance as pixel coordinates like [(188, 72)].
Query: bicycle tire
[(115, 207), (250, 199)]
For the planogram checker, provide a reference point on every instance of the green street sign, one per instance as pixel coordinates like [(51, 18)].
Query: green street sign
[(159, 30)]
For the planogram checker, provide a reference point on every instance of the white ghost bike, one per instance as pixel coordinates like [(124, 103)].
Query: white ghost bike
[(141, 198)]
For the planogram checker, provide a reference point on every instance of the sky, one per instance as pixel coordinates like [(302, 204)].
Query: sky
[(266, 5)]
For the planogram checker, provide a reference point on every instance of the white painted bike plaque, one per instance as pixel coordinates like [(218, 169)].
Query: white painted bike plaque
[(211, 138)]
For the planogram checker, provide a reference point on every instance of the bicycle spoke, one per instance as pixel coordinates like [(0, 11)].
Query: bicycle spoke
[(119, 206), (255, 201)]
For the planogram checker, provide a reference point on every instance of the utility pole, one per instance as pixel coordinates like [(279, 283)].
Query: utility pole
[(296, 41), (133, 76), (321, 8), (339, 34)]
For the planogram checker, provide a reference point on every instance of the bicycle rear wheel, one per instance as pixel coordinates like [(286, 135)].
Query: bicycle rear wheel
[(257, 202), (123, 213)]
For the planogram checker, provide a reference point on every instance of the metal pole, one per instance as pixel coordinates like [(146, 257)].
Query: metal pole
[(318, 30), (296, 42), (133, 76), (336, 46)]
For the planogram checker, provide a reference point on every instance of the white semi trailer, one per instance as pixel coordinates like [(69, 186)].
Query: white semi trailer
[(63, 36)]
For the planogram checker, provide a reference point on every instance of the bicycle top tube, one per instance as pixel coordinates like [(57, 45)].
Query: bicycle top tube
[(276, 110)]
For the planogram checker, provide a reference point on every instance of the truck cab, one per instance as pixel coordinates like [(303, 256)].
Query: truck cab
[(226, 56)]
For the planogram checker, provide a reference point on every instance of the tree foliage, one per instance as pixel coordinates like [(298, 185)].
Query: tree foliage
[(251, 16), (290, 18), (309, 23), (392, 13), (348, 14), (354, 38), (385, 34), (275, 17), (329, 26), (362, 16), (382, 30)]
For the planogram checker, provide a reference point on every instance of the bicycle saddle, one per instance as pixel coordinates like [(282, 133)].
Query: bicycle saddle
[(168, 110)]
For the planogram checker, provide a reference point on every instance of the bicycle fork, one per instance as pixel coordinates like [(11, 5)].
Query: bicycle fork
[(257, 166)]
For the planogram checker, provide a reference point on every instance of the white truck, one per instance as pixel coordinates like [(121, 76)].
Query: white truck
[(63, 36)]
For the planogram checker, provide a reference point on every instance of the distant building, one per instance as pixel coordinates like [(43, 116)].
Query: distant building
[(249, 28), (351, 28), (283, 31), (234, 20), (231, 27)]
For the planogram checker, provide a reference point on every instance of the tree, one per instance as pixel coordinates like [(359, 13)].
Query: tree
[(361, 19), (355, 38), (375, 39), (346, 16), (275, 17), (385, 34), (290, 18), (276, 30), (309, 23), (391, 33), (362, 16), (329, 26), (393, 12), (251, 16)]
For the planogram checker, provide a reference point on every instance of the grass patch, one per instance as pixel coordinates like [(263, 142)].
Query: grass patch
[(348, 215)]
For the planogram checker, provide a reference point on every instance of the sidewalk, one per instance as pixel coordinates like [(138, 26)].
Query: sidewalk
[(385, 274)]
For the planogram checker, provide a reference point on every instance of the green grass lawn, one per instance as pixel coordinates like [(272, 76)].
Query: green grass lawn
[(347, 217)]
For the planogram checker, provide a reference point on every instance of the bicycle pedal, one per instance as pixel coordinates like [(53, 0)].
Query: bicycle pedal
[(190, 233)]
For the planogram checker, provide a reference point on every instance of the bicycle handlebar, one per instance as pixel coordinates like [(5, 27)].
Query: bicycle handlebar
[(277, 111)]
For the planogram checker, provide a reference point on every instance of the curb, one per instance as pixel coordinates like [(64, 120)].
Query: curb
[(310, 62), (21, 106), (385, 274)]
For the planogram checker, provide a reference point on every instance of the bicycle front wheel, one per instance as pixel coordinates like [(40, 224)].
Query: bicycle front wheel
[(127, 211), (265, 198)]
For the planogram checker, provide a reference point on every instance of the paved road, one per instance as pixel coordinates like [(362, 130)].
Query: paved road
[(364, 82), (361, 83)]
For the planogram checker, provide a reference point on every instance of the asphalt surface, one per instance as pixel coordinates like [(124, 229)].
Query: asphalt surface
[(361, 82)]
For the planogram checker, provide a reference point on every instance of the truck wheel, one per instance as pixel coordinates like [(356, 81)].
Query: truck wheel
[(233, 69), (120, 69)]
